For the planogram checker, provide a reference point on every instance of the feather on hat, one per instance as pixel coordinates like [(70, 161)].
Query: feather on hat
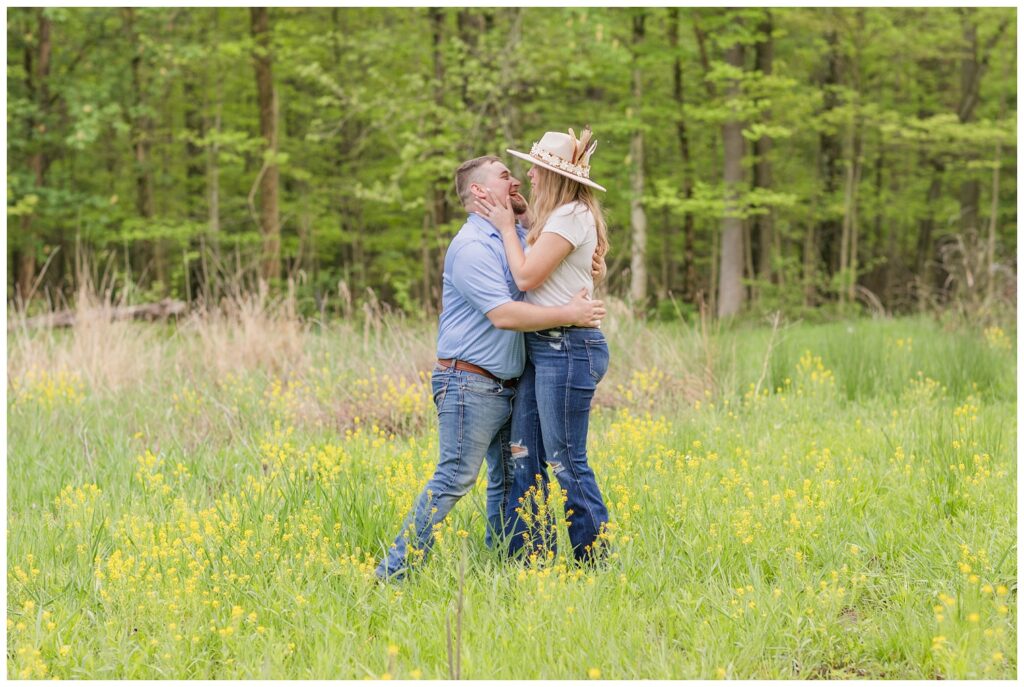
[(564, 154)]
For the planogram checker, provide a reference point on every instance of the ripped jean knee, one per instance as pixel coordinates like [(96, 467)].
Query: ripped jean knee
[(520, 456), (556, 467)]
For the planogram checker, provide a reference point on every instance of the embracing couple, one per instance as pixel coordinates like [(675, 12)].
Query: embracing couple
[(522, 401)]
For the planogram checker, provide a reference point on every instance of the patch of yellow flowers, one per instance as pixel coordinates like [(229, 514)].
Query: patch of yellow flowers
[(644, 384), (977, 613), (184, 564), (997, 338), (47, 389)]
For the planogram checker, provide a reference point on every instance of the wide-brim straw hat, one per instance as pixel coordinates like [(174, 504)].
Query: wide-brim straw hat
[(564, 154)]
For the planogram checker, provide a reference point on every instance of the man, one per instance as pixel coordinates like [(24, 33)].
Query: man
[(480, 357)]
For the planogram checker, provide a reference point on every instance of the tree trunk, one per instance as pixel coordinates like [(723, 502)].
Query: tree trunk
[(748, 252), (971, 70), (164, 204), (142, 136), (470, 24), (437, 202), (346, 224), (927, 225), (853, 209), (714, 279), (831, 154), (142, 125), (270, 267), (881, 231), (730, 290), (848, 241), (638, 218), (689, 234), (144, 311), (213, 150), (507, 114), (993, 213), (810, 271), (716, 235), (855, 143), (37, 75), (665, 276), (764, 224), (195, 126), (854, 255), (970, 190)]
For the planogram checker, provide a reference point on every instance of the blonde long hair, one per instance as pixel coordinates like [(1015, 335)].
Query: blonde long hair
[(554, 190)]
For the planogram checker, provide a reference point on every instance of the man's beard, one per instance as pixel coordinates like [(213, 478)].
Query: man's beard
[(518, 203)]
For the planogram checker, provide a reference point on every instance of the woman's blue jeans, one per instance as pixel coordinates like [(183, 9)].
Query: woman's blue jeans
[(550, 421), (473, 415)]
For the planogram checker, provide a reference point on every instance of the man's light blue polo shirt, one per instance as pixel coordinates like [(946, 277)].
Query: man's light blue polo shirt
[(476, 280)]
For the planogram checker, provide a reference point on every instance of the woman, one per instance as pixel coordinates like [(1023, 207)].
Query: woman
[(551, 415)]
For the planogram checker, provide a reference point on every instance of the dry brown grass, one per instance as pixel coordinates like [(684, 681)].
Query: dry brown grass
[(239, 334), (105, 354), (683, 359), (334, 364), (242, 332)]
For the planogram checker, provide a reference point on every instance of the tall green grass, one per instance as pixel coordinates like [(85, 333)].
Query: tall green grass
[(855, 521)]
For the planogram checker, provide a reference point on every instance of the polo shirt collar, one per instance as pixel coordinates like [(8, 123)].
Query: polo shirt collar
[(484, 224)]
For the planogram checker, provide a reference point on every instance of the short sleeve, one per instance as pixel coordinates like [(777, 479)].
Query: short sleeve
[(569, 222), (479, 276)]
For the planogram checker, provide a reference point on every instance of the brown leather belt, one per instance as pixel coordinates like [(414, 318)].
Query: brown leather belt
[(447, 363)]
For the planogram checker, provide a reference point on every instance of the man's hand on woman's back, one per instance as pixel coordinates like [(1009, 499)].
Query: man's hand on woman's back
[(598, 268)]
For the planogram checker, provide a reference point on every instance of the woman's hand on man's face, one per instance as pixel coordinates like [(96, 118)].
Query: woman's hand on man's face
[(498, 211)]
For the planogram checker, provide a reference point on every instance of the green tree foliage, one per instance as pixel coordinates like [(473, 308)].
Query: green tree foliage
[(877, 144)]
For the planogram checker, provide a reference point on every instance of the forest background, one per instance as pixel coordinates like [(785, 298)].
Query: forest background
[(813, 160), (811, 499)]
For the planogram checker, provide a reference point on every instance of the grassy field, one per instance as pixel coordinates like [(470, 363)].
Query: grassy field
[(208, 501)]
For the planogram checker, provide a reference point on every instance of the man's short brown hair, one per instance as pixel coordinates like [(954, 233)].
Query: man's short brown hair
[(468, 173)]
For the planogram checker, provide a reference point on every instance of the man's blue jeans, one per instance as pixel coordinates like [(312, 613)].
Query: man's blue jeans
[(549, 428), (473, 415)]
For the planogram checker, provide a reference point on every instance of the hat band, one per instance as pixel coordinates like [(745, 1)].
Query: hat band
[(559, 162)]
